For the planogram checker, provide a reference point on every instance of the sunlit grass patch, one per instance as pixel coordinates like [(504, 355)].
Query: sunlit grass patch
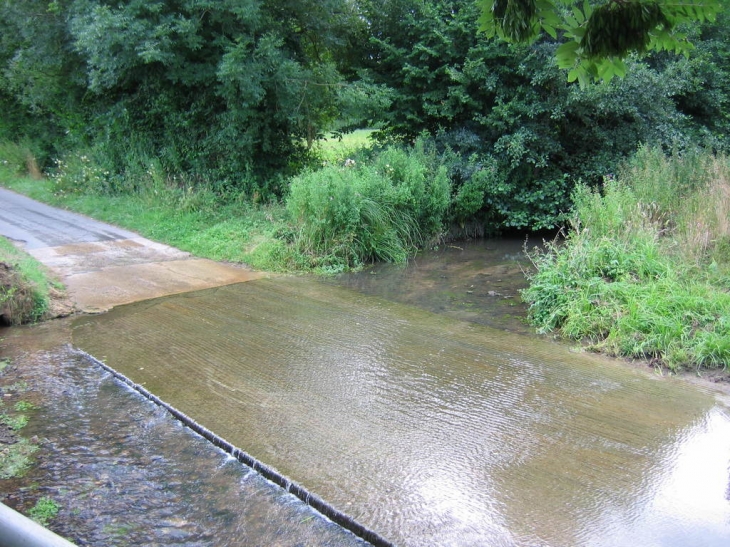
[(339, 148)]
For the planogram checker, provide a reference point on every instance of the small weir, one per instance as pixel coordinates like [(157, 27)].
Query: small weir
[(126, 473), (337, 516), (425, 429)]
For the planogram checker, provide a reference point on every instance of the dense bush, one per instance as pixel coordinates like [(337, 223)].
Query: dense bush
[(227, 91), (232, 96), (511, 108), (643, 271), (382, 209)]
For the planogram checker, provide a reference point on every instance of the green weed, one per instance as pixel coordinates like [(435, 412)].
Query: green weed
[(44, 510), (24, 406), (631, 278), (16, 458), (16, 422), (18, 159)]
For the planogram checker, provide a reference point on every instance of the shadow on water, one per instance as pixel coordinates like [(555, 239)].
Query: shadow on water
[(477, 281)]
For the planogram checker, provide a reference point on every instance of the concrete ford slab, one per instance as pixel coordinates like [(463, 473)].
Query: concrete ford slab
[(104, 266)]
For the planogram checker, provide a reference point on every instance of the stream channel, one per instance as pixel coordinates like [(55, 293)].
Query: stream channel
[(414, 399)]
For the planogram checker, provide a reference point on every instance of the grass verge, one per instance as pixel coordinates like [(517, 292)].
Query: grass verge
[(224, 225), (225, 228), (24, 286)]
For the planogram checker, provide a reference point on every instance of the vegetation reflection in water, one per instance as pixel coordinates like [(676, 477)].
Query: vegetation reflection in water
[(430, 430)]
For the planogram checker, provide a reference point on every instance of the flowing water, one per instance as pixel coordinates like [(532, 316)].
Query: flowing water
[(426, 428), (125, 473), (476, 281), (454, 428)]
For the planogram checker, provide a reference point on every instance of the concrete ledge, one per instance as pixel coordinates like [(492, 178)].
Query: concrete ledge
[(103, 289), (17, 530)]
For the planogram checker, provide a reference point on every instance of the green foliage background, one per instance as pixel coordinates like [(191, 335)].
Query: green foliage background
[(230, 91), (511, 107), (231, 97)]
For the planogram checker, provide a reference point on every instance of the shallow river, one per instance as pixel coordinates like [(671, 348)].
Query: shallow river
[(452, 428)]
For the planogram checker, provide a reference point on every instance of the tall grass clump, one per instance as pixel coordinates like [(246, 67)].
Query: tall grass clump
[(686, 197), (383, 209), (24, 286), (18, 159), (643, 270)]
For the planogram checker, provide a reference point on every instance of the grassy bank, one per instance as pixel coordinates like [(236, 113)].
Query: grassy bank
[(644, 270), (359, 203), (199, 221), (24, 286), (217, 223), (343, 214)]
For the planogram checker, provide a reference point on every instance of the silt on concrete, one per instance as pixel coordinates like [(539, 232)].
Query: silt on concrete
[(103, 266)]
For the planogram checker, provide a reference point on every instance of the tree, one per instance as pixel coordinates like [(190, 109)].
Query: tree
[(41, 79), (598, 35), (519, 135), (229, 91)]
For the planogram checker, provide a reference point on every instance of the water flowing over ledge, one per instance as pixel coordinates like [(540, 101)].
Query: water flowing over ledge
[(268, 472), (427, 429)]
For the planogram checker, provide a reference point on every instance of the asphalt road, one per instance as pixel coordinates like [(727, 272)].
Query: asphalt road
[(102, 265)]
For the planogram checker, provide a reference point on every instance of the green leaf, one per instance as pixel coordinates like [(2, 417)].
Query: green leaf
[(587, 9), (567, 54), (606, 71), (619, 68), (550, 30), (579, 17)]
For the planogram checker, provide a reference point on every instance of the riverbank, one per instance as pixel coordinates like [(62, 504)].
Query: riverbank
[(644, 269), (29, 292), (644, 272)]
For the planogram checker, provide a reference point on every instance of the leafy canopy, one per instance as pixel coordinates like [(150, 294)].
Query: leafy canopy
[(597, 35)]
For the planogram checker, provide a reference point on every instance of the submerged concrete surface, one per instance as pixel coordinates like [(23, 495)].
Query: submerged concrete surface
[(125, 473), (428, 430), (104, 266)]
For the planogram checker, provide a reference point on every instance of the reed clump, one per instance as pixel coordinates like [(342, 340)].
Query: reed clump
[(644, 268)]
